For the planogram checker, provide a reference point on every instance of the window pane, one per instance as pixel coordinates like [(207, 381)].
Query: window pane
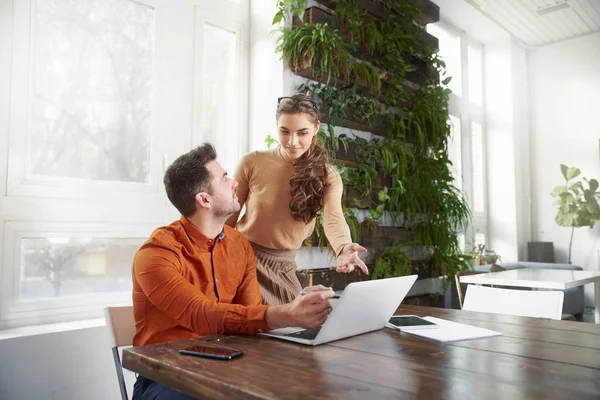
[(221, 94), (462, 242), (479, 239), (450, 51), (91, 90), (454, 151), (478, 172), (475, 82), (62, 267)]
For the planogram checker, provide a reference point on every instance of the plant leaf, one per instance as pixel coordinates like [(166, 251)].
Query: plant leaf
[(564, 219), (563, 169), (277, 18), (572, 173), (557, 191)]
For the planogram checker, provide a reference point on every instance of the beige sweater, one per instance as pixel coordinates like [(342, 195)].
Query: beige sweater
[(264, 187)]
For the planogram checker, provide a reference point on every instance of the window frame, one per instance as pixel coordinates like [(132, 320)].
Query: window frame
[(55, 310), (40, 206), (469, 112), (234, 23), (19, 181)]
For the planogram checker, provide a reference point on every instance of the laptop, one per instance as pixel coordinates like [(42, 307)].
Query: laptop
[(362, 307)]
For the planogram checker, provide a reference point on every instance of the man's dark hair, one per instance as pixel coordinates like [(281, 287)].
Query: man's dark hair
[(187, 176)]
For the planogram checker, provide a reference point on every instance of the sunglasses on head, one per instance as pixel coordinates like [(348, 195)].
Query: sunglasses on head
[(301, 103)]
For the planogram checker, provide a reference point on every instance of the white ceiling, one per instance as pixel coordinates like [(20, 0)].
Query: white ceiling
[(541, 22)]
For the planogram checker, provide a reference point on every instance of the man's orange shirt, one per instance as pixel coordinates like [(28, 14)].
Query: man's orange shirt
[(187, 285)]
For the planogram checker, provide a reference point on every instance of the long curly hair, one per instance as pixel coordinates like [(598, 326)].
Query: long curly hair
[(309, 182)]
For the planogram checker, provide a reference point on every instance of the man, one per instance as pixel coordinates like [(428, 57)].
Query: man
[(197, 277)]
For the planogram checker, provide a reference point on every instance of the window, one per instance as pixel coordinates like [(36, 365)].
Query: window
[(463, 58), (451, 51), (222, 105), (92, 76), (101, 98), (455, 151)]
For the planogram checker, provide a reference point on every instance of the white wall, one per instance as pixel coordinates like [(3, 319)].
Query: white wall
[(72, 365), (565, 82)]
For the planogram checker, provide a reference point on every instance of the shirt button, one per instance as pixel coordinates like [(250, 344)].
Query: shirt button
[(260, 331), (216, 280)]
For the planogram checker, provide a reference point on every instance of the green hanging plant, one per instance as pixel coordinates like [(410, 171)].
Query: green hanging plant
[(390, 262), (293, 7), (316, 47)]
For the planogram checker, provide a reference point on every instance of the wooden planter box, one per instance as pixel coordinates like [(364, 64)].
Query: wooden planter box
[(346, 154), (315, 15), (366, 201), (430, 12), (329, 277), (306, 71), (428, 300), (422, 269), (383, 180), (337, 280), (386, 236), (377, 128)]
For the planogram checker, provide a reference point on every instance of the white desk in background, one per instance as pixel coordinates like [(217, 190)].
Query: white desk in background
[(536, 278)]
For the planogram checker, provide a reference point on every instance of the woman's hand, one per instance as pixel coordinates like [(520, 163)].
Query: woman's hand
[(348, 259)]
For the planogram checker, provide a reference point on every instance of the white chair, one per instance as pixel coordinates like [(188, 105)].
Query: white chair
[(524, 303), (121, 325)]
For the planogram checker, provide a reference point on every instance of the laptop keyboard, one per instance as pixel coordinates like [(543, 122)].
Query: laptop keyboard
[(308, 334)]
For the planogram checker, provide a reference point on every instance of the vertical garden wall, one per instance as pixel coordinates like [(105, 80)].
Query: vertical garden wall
[(372, 67)]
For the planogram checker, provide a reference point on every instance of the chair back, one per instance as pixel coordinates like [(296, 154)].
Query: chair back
[(524, 303), (461, 287), (496, 268), (121, 326)]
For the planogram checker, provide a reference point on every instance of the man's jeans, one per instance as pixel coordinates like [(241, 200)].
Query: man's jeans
[(145, 389)]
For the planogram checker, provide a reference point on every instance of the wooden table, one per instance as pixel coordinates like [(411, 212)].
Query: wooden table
[(538, 278), (535, 359)]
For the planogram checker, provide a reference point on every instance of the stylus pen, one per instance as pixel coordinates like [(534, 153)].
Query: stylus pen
[(306, 291)]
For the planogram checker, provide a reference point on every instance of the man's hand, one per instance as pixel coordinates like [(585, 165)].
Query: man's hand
[(312, 289), (308, 311), (348, 258)]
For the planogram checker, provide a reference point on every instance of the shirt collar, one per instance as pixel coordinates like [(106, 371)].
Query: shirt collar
[(198, 237)]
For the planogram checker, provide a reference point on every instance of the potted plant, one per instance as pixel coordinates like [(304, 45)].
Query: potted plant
[(577, 201)]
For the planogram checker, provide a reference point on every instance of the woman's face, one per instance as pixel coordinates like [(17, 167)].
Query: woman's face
[(296, 134)]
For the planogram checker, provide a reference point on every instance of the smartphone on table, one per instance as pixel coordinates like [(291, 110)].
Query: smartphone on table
[(216, 352), (409, 322)]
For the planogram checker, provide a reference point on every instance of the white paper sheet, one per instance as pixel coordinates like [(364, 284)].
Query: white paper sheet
[(452, 331)]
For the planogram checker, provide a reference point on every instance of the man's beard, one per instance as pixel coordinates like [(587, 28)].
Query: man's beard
[(228, 210)]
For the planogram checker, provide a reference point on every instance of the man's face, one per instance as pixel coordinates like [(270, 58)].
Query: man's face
[(222, 191)]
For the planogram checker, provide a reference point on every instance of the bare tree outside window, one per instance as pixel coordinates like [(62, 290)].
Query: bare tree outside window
[(91, 90), (66, 267)]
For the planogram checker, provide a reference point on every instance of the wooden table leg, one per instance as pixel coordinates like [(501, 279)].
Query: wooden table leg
[(597, 299)]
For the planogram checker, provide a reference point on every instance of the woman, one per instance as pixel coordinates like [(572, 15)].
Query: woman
[(284, 189)]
